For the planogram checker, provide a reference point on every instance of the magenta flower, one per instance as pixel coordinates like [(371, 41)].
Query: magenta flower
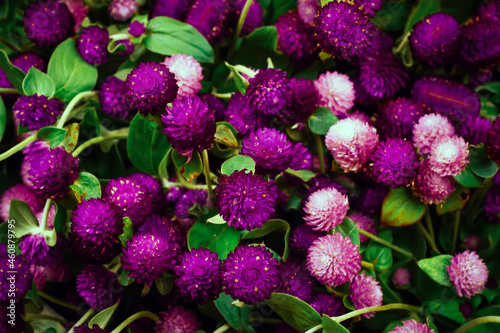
[(365, 291), (448, 156), (412, 326), (336, 92), (468, 273), (430, 128), (363, 222)]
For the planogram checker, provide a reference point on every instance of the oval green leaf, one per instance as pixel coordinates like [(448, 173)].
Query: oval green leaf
[(294, 311), (321, 120), (275, 225), (435, 267), (331, 326), (480, 164), (401, 208), (53, 135), (457, 200), (237, 163), (379, 255), (165, 283), (468, 179), (14, 74), (103, 317), (240, 81), (3, 118), (237, 317), (304, 175), (86, 187), (219, 238), (189, 170), (348, 229), (25, 220), (224, 135), (37, 82)]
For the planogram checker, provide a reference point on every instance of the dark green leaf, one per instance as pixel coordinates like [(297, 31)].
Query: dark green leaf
[(237, 163), (348, 229), (25, 220), (168, 36), (271, 226), (412, 239), (346, 300), (390, 296), (162, 168), (37, 82), (331, 326), (90, 124), (237, 317), (240, 81), (125, 278), (321, 120), (44, 325), (165, 284), (305, 175), (103, 317), (480, 164), (219, 238), (280, 7), (493, 87), (401, 208), (33, 296), (457, 200), (450, 310), (61, 218), (189, 170), (294, 311), (128, 231), (393, 15), (86, 187), (225, 136), (54, 136), (468, 179), (379, 255), (71, 74), (435, 267), (421, 10), (3, 118), (14, 74)]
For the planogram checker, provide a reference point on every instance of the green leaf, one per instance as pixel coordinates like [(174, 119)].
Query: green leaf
[(37, 82), (401, 208), (54, 136), (379, 255), (146, 145), (25, 220), (424, 8), (240, 81), (305, 175), (90, 125), (162, 168), (33, 296), (435, 267), (390, 296), (480, 164), (103, 317), (45, 325), (71, 139), (165, 284), (331, 326), (125, 278), (189, 170), (219, 238), (225, 136), (216, 219), (128, 231), (275, 225), (71, 74), (468, 179), (237, 163), (61, 218), (86, 187), (346, 300), (237, 317), (321, 120), (348, 229), (294, 311), (3, 118), (168, 36), (450, 310), (457, 200), (14, 74)]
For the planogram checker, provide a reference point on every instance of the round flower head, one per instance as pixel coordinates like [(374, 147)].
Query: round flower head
[(397, 117), (93, 45), (336, 92), (412, 326), (301, 158), (430, 128), (493, 141), (371, 6), (475, 130), (188, 73), (303, 102), (137, 28), (454, 100), (270, 149), (48, 22), (401, 277), (37, 111), (477, 46), (23, 277), (250, 274), (468, 273), (96, 225), (492, 203), (122, 10), (177, 236), (351, 143), (254, 16), (199, 275), (112, 99), (19, 192), (431, 187), (129, 47), (52, 172), (178, 319), (295, 280), (241, 115), (269, 91), (37, 252), (395, 163), (153, 188), (187, 200), (189, 125), (449, 156), (363, 222), (365, 291), (176, 9), (435, 40), (25, 61), (307, 10), (343, 29), (215, 105), (333, 260), (209, 18), (327, 304), (294, 38), (79, 11), (325, 209), (245, 201), (302, 238), (150, 87), (321, 181), (98, 287)]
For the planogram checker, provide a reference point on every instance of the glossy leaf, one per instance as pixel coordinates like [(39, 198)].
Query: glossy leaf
[(103, 317), (54, 136), (128, 231), (189, 170), (421, 10), (321, 120), (25, 220), (165, 284), (240, 81), (480, 164), (14, 74), (331, 326), (61, 218), (468, 179), (348, 229), (237, 317), (46, 325), (37, 82), (125, 278), (225, 136), (71, 138), (90, 125), (457, 200), (219, 238), (435, 268), (237, 163), (401, 208), (86, 187), (379, 255), (275, 225), (294, 311), (304, 175), (216, 219)]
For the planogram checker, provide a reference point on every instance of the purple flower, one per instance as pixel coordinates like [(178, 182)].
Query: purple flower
[(93, 45), (137, 28), (245, 201), (214, 104), (129, 47), (112, 98), (325, 209), (122, 10), (307, 10), (269, 91), (241, 115), (250, 274), (178, 319), (363, 222), (492, 203), (365, 291), (475, 130), (86, 329), (270, 149), (490, 10), (176, 9), (26, 60), (474, 242), (303, 101), (303, 236), (327, 304), (23, 277), (412, 326), (209, 17), (321, 181), (294, 38), (295, 280), (96, 225), (37, 252), (254, 16), (371, 6), (187, 200), (153, 188), (79, 11), (343, 29), (301, 157), (477, 46), (150, 87), (397, 117), (37, 111), (189, 125), (199, 275), (19, 192), (468, 273), (48, 22), (430, 186), (401, 277), (435, 40), (98, 287), (493, 141), (370, 200)]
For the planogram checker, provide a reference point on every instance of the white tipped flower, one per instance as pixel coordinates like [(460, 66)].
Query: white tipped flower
[(326, 208), (188, 73)]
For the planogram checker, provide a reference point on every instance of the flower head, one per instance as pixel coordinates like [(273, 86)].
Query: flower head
[(430, 186), (333, 260), (301, 158), (37, 111), (188, 73), (303, 101), (493, 141), (449, 156), (25, 61), (412, 326), (214, 104), (23, 277), (187, 200), (401, 277), (250, 274), (492, 203), (153, 188), (336, 92), (178, 319), (295, 280), (325, 209), (209, 18), (79, 11), (86, 329), (371, 6), (254, 16), (363, 222), (468, 273), (268, 91), (37, 252), (122, 10), (477, 49), (98, 287), (93, 45), (112, 98), (307, 10), (137, 28), (241, 115), (129, 47), (302, 238), (430, 128), (19, 192), (365, 291), (397, 117), (294, 38), (475, 130), (370, 200)]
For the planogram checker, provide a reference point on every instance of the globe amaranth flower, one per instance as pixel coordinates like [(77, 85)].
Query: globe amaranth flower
[(22, 281), (325, 209), (96, 225), (397, 117), (98, 287), (492, 203), (364, 292), (25, 61), (153, 188), (129, 47), (29, 152), (431, 187), (199, 275), (122, 10), (209, 17), (295, 280), (178, 319), (475, 130), (86, 329), (351, 143), (333, 260), (301, 158), (294, 38), (269, 91), (270, 149), (468, 273), (370, 200), (252, 21), (449, 156), (454, 100), (490, 10), (303, 102), (430, 128), (307, 10), (477, 49), (175, 233), (363, 222), (250, 274), (245, 201), (79, 11), (93, 45), (327, 304), (112, 98), (401, 277), (37, 252), (435, 40), (189, 125), (150, 87), (241, 115), (137, 28), (336, 92), (37, 111), (302, 238), (394, 163), (493, 141), (188, 73), (343, 29), (48, 22), (187, 200), (19, 192), (412, 326), (370, 6), (176, 9)]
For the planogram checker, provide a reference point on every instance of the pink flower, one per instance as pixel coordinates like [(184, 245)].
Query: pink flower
[(365, 291), (308, 10), (468, 273), (188, 73), (401, 277), (430, 186), (325, 209), (412, 326), (428, 129), (448, 156), (336, 92)]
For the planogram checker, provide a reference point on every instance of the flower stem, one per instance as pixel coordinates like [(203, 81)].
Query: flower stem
[(430, 240), (113, 135), (455, 230), (45, 215), (477, 322), (82, 320), (386, 243), (9, 91), (428, 221), (17, 147), (239, 27), (367, 265), (224, 96), (475, 203), (220, 329), (404, 42), (321, 157), (206, 171), (138, 315), (71, 105), (57, 300), (36, 316), (394, 306), (335, 292)]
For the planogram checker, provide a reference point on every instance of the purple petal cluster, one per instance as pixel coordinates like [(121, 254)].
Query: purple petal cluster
[(397, 117), (187, 200), (468, 273), (477, 46), (371, 6), (122, 10), (153, 186), (112, 98), (430, 186), (303, 101), (37, 111), (493, 141), (294, 38), (327, 304), (19, 192), (210, 17), (137, 28), (412, 326), (241, 115), (93, 45), (302, 237), (269, 91), (474, 130), (86, 329), (178, 319), (23, 277), (363, 222), (364, 292), (295, 280), (98, 287), (29, 59), (325, 209), (37, 252)]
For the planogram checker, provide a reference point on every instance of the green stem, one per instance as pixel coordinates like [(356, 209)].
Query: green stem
[(431, 241), (239, 27), (224, 96), (455, 230), (404, 42), (72, 104), (206, 171), (113, 135), (245, 70), (475, 203), (17, 147), (386, 243), (145, 291), (477, 322), (45, 215), (138, 315), (321, 157), (428, 222), (36, 316), (57, 300), (335, 292), (220, 329), (82, 320), (394, 306), (367, 265), (9, 91)]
